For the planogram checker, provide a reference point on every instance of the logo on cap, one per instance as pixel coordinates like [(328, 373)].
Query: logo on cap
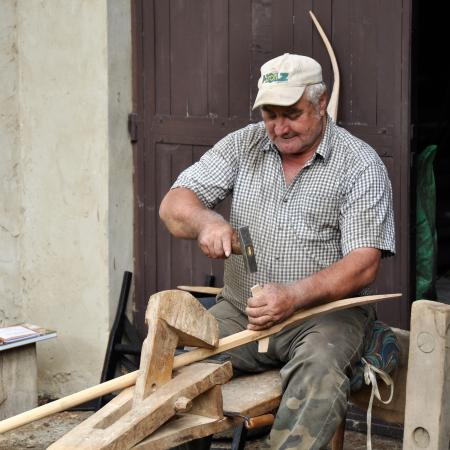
[(275, 77)]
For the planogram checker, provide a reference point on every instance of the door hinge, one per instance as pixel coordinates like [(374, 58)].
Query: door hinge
[(133, 127)]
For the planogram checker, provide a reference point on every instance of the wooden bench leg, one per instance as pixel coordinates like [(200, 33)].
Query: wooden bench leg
[(337, 443)]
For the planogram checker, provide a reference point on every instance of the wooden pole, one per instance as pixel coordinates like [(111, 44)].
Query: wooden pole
[(225, 344), (427, 415)]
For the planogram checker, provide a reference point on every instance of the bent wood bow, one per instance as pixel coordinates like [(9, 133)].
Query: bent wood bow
[(332, 108)]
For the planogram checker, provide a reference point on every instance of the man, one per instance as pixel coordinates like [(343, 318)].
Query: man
[(318, 204)]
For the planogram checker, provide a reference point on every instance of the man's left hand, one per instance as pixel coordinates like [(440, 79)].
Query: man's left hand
[(272, 304)]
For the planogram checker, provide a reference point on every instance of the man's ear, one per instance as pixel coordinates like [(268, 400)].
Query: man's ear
[(323, 102)]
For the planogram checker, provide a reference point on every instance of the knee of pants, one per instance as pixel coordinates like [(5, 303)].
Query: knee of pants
[(316, 377)]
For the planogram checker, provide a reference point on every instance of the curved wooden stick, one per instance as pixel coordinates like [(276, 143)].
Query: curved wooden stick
[(225, 344), (332, 108)]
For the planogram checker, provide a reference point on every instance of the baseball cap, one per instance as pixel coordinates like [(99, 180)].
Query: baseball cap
[(284, 79)]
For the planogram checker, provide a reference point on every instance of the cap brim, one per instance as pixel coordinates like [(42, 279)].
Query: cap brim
[(279, 95)]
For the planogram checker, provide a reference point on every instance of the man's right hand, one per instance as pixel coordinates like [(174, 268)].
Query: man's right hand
[(217, 239), (186, 217)]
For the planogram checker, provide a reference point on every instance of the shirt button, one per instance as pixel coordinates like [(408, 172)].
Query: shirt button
[(285, 200), (277, 258)]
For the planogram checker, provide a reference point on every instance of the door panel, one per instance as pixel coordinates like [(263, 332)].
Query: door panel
[(196, 70)]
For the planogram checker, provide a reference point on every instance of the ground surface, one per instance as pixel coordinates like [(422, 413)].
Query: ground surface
[(42, 433)]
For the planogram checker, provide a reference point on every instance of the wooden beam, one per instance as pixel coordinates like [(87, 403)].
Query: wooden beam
[(120, 427), (213, 291), (225, 344), (427, 414), (173, 318)]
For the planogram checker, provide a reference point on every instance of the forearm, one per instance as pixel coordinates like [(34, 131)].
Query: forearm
[(276, 302), (344, 278), (185, 215)]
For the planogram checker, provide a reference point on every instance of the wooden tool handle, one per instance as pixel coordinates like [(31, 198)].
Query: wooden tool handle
[(259, 421), (68, 402), (236, 244), (256, 289)]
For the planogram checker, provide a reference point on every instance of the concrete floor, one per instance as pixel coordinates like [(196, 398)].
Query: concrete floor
[(40, 434)]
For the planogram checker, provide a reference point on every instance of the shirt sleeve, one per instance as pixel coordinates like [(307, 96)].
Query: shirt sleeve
[(212, 177), (367, 218)]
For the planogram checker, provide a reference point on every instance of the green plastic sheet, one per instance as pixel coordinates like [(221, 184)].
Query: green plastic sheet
[(426, 235)]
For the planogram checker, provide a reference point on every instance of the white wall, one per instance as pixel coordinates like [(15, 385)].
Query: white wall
[(10, 207), (75, 239)]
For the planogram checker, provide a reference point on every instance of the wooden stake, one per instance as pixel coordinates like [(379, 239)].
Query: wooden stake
[(225, 344), (263, 344), (427, 415)]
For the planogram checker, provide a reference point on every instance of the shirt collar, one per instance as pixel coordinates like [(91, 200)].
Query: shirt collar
[(324, 148)]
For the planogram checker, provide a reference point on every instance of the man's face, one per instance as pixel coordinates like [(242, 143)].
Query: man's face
[(297, 128)]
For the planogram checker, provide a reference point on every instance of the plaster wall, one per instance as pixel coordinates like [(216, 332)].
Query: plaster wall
[(71, 219), (10, 203)]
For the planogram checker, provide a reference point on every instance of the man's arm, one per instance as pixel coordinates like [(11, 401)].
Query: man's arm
[(276, 302), (186, 217)]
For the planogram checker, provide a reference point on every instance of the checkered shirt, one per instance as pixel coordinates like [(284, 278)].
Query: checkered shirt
[(340, 201)]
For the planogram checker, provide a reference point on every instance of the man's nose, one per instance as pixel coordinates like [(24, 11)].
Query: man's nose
[(281, 126)]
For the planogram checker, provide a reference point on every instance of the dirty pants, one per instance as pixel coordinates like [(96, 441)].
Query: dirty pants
[(315, 359)]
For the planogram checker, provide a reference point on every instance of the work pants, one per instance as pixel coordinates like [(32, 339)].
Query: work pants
[(315, 357)]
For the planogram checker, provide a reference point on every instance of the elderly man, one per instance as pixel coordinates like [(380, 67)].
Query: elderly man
[(318, 204)]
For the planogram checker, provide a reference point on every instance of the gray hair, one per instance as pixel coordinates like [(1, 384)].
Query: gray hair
[(314, 91)]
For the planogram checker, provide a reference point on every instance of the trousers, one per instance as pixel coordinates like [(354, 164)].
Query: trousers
[(315, 360)]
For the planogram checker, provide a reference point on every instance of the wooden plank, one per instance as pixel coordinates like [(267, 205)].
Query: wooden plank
[(163, 181), (18, 380), (209, 404), (175, 255), (200, 289), (217, 50), (188, 31), (282, 27), (156, 359), (253, 395), (341, 38), (250, 395), (162, 79), (427, 414), (322, 9), (240, 61), (303, 28), (183, 428), (225, 344), (173, 318), (363, 31), (121, 432)]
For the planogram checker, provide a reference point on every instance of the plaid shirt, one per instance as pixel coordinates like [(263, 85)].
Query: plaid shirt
[(340, 201)]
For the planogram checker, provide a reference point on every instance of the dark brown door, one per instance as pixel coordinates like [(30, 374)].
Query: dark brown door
[(196, 69)]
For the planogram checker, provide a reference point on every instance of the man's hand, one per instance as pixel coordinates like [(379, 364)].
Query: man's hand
[(215, 239), (186, 217), (272, 304)]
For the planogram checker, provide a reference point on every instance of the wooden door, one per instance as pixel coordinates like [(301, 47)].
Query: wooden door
[(196, 66)]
